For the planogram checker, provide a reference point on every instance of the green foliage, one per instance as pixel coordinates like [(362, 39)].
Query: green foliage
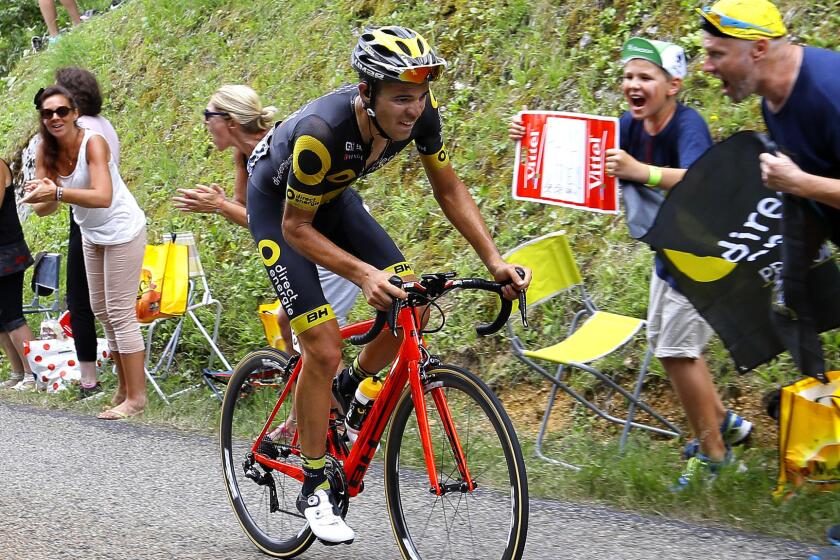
[(18, 21), (158, 61)]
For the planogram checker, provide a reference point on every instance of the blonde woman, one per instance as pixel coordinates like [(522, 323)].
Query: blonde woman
[(236, 118)]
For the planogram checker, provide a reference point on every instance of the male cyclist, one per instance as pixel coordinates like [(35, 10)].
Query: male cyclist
[(302, 213)]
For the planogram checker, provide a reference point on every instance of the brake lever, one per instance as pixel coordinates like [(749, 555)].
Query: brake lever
[(395, 306), (523, 304)]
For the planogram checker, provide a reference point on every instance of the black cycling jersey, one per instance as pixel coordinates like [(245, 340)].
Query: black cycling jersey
[(308, 161), (318, 150)]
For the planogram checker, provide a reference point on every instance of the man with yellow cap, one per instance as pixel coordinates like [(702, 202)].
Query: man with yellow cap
[(747, 49)]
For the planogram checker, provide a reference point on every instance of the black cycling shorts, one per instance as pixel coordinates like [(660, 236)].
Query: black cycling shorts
[(344, 221)]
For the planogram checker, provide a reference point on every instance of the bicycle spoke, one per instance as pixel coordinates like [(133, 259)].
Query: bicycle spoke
[(446, 526), (246, 409)]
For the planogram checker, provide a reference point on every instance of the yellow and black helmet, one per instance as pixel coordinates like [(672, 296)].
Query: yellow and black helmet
[(397, 54)]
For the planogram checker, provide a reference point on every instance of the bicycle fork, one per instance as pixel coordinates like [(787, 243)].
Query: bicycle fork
[(416, 384)]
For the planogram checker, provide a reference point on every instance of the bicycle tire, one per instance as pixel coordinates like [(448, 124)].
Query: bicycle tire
[(440, 527), (284, 533)]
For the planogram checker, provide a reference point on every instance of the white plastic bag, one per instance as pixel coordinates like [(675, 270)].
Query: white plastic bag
[(54, 362)]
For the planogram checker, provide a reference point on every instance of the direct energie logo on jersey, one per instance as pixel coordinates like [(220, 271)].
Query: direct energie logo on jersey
[(298, 199)]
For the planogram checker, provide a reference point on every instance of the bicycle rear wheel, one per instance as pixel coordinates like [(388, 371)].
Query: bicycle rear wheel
[(251, 395), (488, 522)]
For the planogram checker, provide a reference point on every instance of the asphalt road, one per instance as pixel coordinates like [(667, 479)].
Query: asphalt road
[(75, 487)]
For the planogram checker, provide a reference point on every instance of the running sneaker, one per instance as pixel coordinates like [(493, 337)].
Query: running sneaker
[(37, 43), (833, 535), (701, 468), (829, 553), (734, 429), (324, 518)]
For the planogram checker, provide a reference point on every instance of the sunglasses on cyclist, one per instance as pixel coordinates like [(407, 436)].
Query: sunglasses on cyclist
[(420, 74), (62, 112), (208, 114), (723, 20)]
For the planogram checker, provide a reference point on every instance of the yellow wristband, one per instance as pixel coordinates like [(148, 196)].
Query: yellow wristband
[(654, 177)]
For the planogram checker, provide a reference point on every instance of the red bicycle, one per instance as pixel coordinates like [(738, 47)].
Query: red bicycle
[(452, 459)]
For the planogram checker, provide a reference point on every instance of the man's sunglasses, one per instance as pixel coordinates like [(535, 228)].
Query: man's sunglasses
[(208, 114), (726, 21), (420, 74), (62, 112)]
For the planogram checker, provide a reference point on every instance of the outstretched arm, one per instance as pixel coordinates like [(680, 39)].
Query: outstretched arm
[(624, 166), (212, 198), (460, 209)]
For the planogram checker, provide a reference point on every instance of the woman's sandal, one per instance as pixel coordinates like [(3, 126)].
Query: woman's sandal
[(114, 414)]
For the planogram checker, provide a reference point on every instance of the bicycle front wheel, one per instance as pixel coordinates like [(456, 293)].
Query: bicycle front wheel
[(262, 499), (488, 522)]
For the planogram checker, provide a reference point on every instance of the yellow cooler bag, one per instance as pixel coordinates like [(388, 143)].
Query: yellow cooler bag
[(809, 433)]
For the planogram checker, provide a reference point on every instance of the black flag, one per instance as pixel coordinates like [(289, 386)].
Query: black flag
[(720, 233)]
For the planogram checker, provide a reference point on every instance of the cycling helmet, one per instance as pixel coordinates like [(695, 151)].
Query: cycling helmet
[(396, 54)]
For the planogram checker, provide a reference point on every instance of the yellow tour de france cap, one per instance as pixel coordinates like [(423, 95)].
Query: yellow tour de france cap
[(745, 19), (668, 56)]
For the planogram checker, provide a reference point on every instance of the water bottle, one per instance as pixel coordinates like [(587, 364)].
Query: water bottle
[(362, 402)]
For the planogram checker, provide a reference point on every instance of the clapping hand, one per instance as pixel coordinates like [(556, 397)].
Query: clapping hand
[(202, 198), (39, 190)]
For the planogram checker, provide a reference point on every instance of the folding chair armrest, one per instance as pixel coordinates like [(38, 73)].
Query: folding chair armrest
[(578, 316)]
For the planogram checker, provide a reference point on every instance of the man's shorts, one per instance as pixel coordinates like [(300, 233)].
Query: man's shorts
[(340, 293), (675, 329)]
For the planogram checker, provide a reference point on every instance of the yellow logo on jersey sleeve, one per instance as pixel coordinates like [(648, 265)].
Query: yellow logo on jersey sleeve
[(310, 144), (308, 202), (437, 160)]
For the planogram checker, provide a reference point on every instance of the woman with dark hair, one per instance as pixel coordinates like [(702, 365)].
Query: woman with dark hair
[(84, 88), (14, 260), (75, 165)]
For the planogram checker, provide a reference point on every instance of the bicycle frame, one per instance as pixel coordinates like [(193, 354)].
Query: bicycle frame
[(404, 370)]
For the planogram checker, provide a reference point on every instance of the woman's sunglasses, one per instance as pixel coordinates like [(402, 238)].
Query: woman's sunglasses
[(62, 112), (208, 114)]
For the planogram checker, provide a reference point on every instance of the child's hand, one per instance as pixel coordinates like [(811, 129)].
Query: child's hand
[(624, 166), (516, 129)]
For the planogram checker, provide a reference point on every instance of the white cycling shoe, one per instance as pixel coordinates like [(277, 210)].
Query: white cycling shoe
[(324, 518)]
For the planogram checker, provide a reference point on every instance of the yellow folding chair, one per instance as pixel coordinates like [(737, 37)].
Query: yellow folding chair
[(592, 334)]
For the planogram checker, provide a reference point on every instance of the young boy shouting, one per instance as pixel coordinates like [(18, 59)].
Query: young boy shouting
[(660, 139)]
